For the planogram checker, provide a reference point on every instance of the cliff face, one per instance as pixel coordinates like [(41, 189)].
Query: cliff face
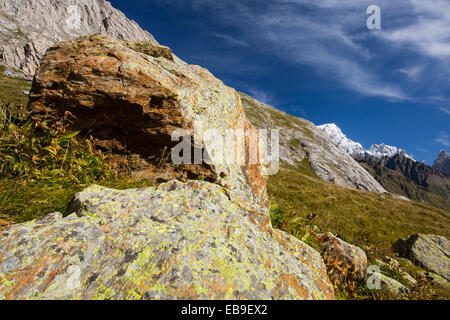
[(300, 139), (29, 27)]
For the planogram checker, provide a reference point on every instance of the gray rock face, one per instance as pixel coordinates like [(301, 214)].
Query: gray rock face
[(176, 241), (428, 251), (442, 162), (300, 139), (29, 27)]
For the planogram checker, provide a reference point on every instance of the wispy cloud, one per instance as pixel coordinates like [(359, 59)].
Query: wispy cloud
[(330, 37), (422, 149), (445, 110), (412, 73), (444, 139), (260, 95), (231, 40)]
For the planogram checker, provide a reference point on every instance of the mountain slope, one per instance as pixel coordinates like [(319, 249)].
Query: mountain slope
[(300, 139), (28, 28), (414, 180), (368, 220)]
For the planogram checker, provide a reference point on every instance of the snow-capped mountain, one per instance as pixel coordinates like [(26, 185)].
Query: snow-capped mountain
[(355, 149), (337, 136), (381, 150)]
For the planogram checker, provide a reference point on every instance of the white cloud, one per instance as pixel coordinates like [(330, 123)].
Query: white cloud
[(445, 110), (444, 139), (422, 149), (231, 40), (330, 36), (412, 73), (260, 95)]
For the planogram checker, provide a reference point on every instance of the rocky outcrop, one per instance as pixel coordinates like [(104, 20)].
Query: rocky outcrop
[(130, 97), (442, 162), (300, 139), (29, 27), (415, 180), (176, 241), (346, 261), (428, 251)]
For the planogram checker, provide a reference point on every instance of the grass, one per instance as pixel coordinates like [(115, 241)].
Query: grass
[(43, 164), (22, 200), (11, 90), (368, 220)]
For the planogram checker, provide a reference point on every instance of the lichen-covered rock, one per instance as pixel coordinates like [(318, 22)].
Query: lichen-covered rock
[(428, 251), (130, 97), (394, 265), (386, 284), (176, 241), (344, 260)]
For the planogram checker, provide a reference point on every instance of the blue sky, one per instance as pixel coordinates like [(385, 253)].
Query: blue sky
[(316, 59)]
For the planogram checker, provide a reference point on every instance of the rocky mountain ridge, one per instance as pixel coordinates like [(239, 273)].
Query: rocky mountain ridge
[(442, 162), (301, 139), (396, 171), (415, 180), (355, 149), (29, 27)]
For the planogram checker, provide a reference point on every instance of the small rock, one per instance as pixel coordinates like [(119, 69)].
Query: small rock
[(387, 284), (409, 278), (435, 278), (392, 262)]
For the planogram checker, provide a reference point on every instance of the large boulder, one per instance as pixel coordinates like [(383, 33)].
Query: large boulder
[(131, 97), (176, 241), (344, 260), (428, 251)]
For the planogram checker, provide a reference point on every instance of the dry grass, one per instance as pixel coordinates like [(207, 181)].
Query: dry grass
[(366, 219)]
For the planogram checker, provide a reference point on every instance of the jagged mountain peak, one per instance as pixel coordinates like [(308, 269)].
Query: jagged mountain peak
[(442, 162), (301, 139), (355, 149), (28, 28), (337, 136), (382, 150)]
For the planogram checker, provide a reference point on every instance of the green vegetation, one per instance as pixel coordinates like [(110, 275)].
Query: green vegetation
[(12, 90), (369, 220), (43, 164)]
